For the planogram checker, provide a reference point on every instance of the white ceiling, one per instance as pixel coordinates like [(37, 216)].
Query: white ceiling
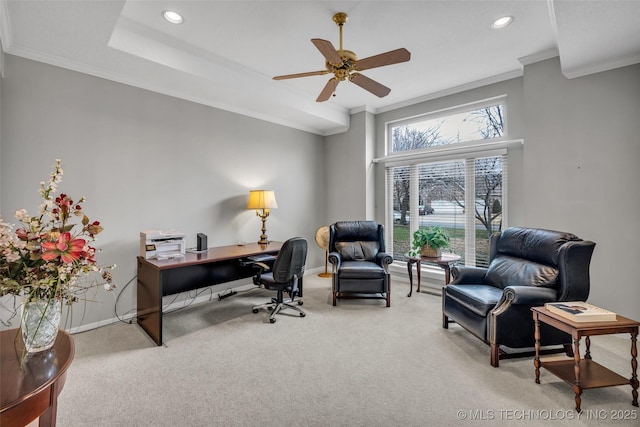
[(225, 52)]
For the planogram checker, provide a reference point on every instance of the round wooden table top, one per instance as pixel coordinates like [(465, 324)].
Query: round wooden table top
[(25, 385)]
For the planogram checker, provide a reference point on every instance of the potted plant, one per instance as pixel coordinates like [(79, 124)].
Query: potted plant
[(49, 261), (429, 241)]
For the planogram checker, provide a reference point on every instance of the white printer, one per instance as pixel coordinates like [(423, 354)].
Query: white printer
[(161, 244)]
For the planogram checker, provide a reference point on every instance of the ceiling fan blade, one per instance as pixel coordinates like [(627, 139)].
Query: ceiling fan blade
[(328, 51), (371, 85), (293, 76), (387, 58), (328, 90)]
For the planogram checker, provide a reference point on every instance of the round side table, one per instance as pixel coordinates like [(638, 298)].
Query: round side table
[(30, 389), (444, 261)]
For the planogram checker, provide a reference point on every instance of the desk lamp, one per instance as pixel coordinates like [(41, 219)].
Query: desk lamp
[(262, 200)]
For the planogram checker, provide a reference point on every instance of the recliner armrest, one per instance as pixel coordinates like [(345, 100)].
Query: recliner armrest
[(467, 275), (530, 295), (384, 259), (335, 259)]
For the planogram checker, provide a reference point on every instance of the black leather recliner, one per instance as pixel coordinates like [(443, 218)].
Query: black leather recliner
[(360, 266), (527, 267)]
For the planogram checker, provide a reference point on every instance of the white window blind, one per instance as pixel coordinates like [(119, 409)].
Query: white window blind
[(463, 195)]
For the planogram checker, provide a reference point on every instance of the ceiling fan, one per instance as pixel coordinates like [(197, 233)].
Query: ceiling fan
[(344, 64)]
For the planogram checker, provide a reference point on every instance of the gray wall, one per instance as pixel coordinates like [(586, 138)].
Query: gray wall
[(346, 180), (149, 161), (582, 148)]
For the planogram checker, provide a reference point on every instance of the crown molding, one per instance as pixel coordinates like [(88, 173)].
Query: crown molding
[(539, 56), (454, 90), (572, 73)]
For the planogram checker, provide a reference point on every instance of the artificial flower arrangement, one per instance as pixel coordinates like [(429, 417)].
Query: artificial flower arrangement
[(50, 257)]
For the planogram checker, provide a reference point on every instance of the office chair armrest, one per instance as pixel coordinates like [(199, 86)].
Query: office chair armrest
[(262, 267)]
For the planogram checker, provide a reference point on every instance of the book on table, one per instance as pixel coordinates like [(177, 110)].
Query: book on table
[(580, 311)]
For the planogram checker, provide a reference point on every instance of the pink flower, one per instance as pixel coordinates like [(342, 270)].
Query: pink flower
[(67, 249)]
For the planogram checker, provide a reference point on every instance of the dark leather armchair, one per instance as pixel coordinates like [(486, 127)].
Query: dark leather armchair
[(360, 266), (285, 276), (528, 267)]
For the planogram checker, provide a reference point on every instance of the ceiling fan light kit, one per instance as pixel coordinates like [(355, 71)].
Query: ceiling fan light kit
[(344, 65)]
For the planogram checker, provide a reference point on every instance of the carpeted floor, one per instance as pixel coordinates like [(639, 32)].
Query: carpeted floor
[(357, 364)]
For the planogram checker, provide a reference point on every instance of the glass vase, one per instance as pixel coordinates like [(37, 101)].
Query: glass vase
[(40, 323)]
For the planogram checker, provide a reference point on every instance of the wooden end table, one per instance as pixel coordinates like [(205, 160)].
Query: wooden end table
[(30, 390), (584, 373), (444, 261)]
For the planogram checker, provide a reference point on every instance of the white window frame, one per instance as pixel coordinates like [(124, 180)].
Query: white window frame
[(502, 99), (457, 151)]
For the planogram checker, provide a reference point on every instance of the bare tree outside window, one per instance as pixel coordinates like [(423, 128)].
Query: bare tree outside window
[(444, 184), (405, 138)]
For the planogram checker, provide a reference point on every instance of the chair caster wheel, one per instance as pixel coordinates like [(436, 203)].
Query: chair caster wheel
[(300, 302), (302, 314), (272, 320), (255, 310)]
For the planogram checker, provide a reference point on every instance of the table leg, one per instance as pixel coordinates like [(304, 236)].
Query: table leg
[(536, 335), (410, 271), (634, 368), (577, 388), (587, 341), (447, 273), (418, 268)]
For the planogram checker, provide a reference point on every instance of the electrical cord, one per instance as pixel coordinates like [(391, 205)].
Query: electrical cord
[(14, 313), (193, 298), (188, 301), (115, 305)]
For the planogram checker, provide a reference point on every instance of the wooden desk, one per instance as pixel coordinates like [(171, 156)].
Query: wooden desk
[(444, 261), (584, 373), (158, 278), (31, 390)]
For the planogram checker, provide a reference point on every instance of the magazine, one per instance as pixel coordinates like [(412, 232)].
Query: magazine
[(580, 311)]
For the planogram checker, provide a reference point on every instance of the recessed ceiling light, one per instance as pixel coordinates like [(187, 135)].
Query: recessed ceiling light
[(502, 22), (173, 17)]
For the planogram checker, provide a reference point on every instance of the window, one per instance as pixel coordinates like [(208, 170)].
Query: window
[(459, 188), (480, 123)]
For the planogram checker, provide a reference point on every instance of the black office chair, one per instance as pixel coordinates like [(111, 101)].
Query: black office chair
[(285, 276)]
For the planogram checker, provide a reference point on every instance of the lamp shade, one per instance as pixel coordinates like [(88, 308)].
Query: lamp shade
[(261, 199)]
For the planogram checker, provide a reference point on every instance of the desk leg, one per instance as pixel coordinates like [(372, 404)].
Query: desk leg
[(577, 388), (418, 268), (634, 368), (149, 299), (410, 272)]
